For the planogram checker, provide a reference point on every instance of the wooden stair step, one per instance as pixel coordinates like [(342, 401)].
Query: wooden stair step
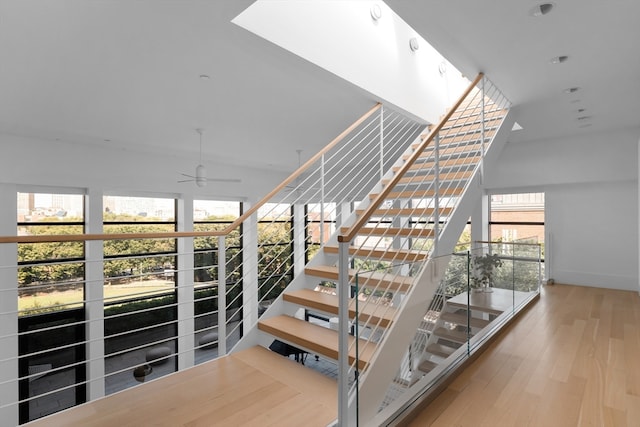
[(477, 113), (315, 339), (477, 307), (424, 233), (421, 194), (385, 254), (427, 366), (380, 280), (409, 212), (440, 350), (451, 335), (370, 313), (430, 177), (445, 163), (473, 123), (447, 143), (461, 319)]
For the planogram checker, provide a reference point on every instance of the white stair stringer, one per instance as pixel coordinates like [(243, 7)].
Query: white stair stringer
[(384, 365)]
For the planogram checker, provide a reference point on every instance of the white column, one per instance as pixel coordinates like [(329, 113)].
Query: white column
[(8, 308), (186, 322), (343, 210), (250, 270), (298, 239), (480, 220), (94, 296)]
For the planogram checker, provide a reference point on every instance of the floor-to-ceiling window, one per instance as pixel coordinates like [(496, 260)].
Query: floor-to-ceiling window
[(51, 284), (140, 301), (212, 215)]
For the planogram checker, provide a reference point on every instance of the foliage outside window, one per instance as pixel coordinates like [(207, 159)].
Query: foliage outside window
[(139, 287), (50, 275)]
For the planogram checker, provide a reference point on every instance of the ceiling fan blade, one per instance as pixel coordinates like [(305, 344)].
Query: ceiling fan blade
[(186, 180), (223, 180), (188, 176)]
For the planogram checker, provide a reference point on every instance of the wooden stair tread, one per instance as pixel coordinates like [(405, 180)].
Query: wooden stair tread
[(370, 313), (476, 307), (427, 366), (424, 233), (476, 113), (412, 212), (461, 319), (419, 194), (430, 177), (444, 163), (451, 335), (386, 254), (440, 350), (315, 339), (383, 281)]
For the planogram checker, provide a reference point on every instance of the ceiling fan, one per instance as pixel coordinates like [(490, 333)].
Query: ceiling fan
[(200, 178)]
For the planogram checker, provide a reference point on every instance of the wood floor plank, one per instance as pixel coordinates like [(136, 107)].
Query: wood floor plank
[(254, 387), (559, 364)]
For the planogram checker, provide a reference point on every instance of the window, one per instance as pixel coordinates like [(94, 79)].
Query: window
[(51, 281), (210, 215), (140, 300), (320, 224), (517, 217)]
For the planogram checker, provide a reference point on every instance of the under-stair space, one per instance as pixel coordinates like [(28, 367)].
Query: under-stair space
[(455, 326)]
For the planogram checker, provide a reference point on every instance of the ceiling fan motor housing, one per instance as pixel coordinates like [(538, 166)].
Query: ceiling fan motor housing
[(201, 176)]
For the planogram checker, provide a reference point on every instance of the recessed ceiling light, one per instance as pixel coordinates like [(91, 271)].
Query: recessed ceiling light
[(541, 9), (571, 90), (204, 77), (585, 125), (376, 12), (559, 59), (583, 118), (581, 110), (413, 44)]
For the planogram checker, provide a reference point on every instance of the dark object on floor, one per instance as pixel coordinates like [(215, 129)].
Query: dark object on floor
[(287, 350)]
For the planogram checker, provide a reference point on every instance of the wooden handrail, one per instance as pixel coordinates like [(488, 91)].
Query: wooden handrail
[(507, 243), (176, 234), (375, 203)]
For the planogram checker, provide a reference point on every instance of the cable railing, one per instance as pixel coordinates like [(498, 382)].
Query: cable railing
[(216, 283), (403, 222), (142, 329)]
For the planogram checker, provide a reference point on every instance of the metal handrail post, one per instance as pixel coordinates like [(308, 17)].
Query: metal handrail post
[(222, 297), (381, 142), (343, 331)]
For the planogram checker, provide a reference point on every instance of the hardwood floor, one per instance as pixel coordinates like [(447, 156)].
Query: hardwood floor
[(573, 359), (254, 387)]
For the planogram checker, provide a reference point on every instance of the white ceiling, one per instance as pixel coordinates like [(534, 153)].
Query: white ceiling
[(126, 73)]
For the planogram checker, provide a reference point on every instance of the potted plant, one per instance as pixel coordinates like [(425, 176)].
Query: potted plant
[(482, 270)]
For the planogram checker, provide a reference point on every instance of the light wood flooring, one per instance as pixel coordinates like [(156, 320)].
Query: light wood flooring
[(254, 387), (573, 359)]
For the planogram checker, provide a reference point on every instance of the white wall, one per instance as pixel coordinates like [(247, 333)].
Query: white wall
[(31, 161), (591, 187)]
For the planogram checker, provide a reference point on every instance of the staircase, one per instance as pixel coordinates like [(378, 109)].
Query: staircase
[(392, 260), (453, 328)]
